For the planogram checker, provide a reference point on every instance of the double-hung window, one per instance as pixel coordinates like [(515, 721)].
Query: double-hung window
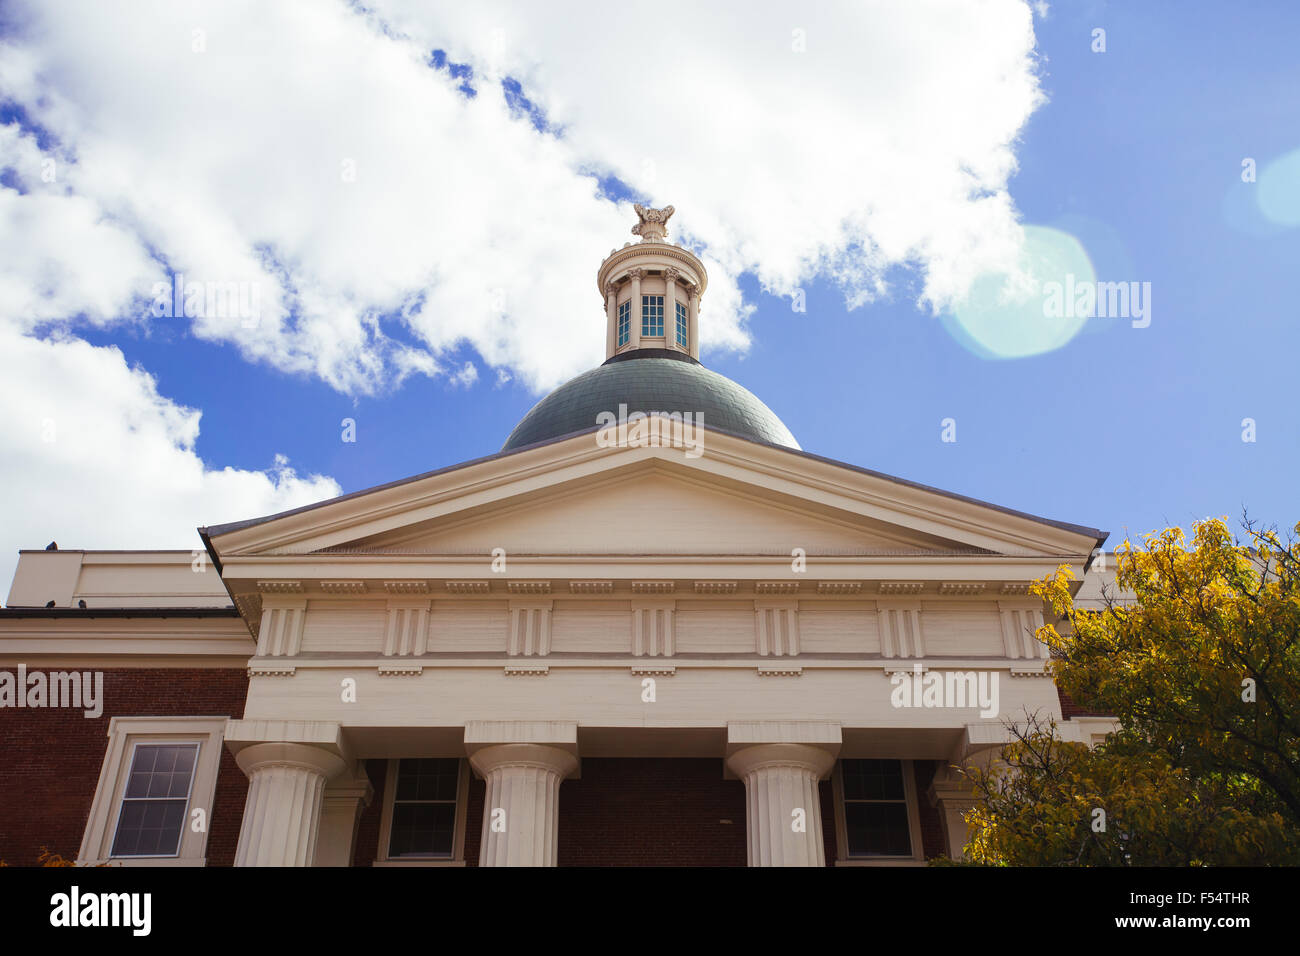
[(424, 812), (877, 811)]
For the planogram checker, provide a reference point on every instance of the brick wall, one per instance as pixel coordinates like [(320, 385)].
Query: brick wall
[(932, 839), (52, 758), (652, 812)]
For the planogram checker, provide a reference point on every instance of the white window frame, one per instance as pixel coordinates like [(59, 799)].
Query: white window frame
[(458, 833), (842, 858), (124, 734)]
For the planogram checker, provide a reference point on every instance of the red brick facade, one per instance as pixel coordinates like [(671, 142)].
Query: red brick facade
[(621, 812), (646, 812), (53, 757)]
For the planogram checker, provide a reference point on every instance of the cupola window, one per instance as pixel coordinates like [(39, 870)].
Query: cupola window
[(652, 315), (681, 326), (624, 323)]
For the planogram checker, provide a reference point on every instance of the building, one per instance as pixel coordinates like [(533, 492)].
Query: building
[(650, 630)]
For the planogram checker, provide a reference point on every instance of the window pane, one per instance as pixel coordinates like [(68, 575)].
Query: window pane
[(873, 779), (877, 829), (149, 828), (422, 829), (427, 779)]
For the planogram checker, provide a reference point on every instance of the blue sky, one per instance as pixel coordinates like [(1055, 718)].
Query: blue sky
[(1137, 153)]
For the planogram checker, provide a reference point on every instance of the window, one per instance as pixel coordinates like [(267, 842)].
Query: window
[(681, 326), (876, 811), (156, 798), (652, 315), (624, 322), (424, 812), (157, 782)]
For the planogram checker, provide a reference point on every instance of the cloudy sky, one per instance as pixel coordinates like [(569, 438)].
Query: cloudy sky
[(412, 199)]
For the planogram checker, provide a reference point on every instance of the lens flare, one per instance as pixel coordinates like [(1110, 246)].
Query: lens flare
[(1008, 315)]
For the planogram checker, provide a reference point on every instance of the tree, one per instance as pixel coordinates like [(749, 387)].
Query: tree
[(1202, 669)]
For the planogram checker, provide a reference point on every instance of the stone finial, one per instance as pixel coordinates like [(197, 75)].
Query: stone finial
[(653, 226)]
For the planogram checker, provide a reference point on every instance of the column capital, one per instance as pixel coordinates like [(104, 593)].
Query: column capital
[(295, 756), (534, 756), (756, 757)]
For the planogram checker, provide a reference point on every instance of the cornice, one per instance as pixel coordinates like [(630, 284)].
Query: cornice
[(650, 251)]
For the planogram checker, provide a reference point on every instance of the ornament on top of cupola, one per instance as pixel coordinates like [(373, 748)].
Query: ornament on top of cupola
[(651, 290)]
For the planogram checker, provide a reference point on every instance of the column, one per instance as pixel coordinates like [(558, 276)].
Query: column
[(344, 799), (783, 819), (670, 307), (611, 317), (636, 275), (522, 808), (286, 785), (693, 322), (952, 796)]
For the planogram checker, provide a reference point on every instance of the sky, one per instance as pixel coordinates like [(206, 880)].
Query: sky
[(892, 200)]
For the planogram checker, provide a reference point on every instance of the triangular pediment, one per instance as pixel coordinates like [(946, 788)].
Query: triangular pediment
[(572, 497), (655, 510)]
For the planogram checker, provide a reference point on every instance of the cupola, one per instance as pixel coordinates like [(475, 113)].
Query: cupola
[(652, 291)]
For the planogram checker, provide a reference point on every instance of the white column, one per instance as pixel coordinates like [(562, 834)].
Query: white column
[(611, 318), (286, 783), (783, 818), (951, 794), (636, 274), (521, 813), (670, 308), (693, 322), (341, 805)]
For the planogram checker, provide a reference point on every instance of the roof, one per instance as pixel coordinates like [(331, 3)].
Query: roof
[(645, 381)]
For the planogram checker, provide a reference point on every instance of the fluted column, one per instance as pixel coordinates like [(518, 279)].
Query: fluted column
[(693, 322), (286, 784), (522, 808), (783, 818), (611, 319), (635, 274)]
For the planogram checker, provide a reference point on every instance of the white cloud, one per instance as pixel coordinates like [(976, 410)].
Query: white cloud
[(467, 376), (387, 221), (390, 220), (95, 458)]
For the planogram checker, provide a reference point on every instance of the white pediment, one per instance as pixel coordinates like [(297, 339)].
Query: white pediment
[(654, 511), (573, 497)]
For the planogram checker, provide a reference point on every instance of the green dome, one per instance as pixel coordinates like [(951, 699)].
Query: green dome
[(650, 383)]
